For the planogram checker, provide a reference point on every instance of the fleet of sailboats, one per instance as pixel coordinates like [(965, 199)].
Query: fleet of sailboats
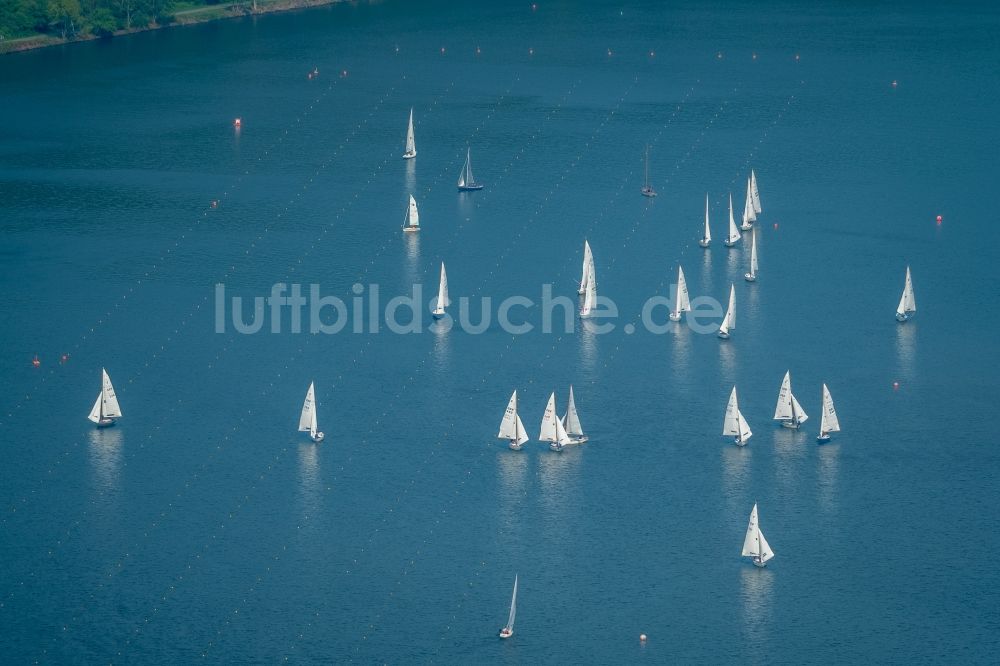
[(683, 302), (729, 320), (466, 181), (411, 220), (307, 418), (442, 298), (106, 409), (752, 275), (647, 189), (788, 410), (755, 546), (735, 425), (706, 238), (907, 305), (828, 421), (411, 145), (508, 629), (511, 427)]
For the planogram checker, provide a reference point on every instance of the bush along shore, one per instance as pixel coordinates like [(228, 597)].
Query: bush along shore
[(31, 24)]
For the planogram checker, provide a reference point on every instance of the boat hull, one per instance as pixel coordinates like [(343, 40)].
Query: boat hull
[(514, 446), (578, 440), (648, 192), (739, 442), (704, 243), (470, 188), (729, 243), (750, 277), (902, 318), (106, 423), (674, 316), (746, 227), (723, 336), (791, 425), (411, 229), (409, 156), (821, 438), (438, 315), (506, 633), (757, 563), (318, 437), (556, 446)]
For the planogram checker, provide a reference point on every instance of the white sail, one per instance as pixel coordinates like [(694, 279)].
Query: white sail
[(110, 408), (590, 298), (707, 238), (442, 299), (744, 427), (907, 304), (572, 419), (734, 232), (731, 426), (561, 436), (548, 430), (765, 548), (754, 193), (412, 214), (753, 254), (511, 428), (513, 607), (465, 179), (798, 414), (783, 410), (411, 145), (95, 412), (751, 543), (749, 215), (588, 261), (683, 300), (729, 321), (828, 421), (307, 419)]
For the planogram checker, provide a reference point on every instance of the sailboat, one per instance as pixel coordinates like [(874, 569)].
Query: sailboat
[(755, 546), (749, 214), (511, 428), (508, 629), (590, 297), (411, 145), (647, 189), (735, 425), (588, 266), (106, 409), (571, 421), (683, 301), (907, 306), (788, 409), (734, 233), (729, 321), (828, 421), (411, 221), (754, 194), (442, 300), (553, 430), (752, 275), (307, 419), (466, 181), (707, 238)]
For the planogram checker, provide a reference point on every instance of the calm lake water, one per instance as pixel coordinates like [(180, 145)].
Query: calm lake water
[(205, 528)]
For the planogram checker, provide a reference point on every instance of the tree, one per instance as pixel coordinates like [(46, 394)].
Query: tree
[(65, 16)]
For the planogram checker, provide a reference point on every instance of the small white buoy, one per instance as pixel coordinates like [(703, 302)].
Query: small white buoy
[(642, 638)]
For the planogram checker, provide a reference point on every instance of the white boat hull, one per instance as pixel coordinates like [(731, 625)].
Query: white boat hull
[(791, 425), (514, 446), (750, 277), (556, 446), (578, 440), (822, 437), (411, 228), (106, 423), (409, 156), (648, 192), (757, 563), (438, 315), (723, 336), (704, 243), (506, 633), (902, 318), (739, 442), (470, 188), (746, 227), (729, 243), (318, 437)]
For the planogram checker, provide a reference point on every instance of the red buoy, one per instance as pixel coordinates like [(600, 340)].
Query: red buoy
[(939, 219), (35, 362)]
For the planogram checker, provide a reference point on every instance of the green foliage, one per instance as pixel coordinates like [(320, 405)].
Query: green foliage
[(69, 19)]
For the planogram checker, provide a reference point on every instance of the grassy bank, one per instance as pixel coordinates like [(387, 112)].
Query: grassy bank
[(178, 13)]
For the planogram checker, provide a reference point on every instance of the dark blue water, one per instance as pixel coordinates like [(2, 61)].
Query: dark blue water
[(204, 527)]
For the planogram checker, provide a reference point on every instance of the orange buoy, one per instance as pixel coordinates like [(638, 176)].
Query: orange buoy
[(35, 362)]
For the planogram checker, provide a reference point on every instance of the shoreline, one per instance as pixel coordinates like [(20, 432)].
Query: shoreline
[(182, 18)]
